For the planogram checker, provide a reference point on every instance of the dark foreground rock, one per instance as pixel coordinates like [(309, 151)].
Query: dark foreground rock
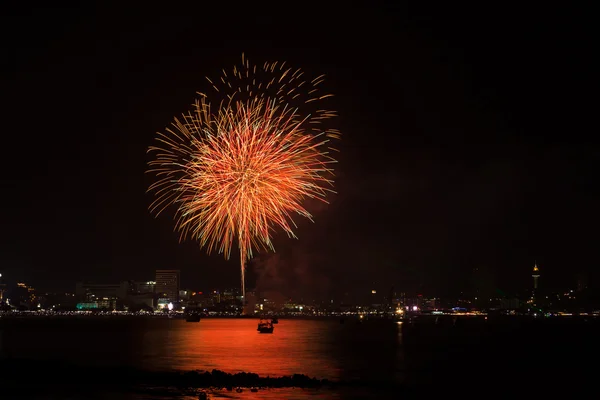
[(57, 376), (222, 379)]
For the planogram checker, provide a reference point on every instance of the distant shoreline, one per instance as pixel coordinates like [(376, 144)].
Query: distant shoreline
[(178, 316), (418, 319)]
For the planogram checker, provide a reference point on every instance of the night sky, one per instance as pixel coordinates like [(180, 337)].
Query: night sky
[(469, 141)]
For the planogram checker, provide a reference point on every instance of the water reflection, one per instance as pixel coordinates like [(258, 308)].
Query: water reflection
[(318, 348), (420, 355)]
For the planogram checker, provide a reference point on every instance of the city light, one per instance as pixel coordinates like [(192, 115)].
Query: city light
[(128, 297)]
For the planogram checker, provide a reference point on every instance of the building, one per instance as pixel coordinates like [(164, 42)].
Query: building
[(91, 292), (142, 287), (101, 295), (215, 297), (273, 301), (399, 300), (429, 304), (251, 303), (535, 276), (167, 284), (185, 295), (24, 295), (141, 295), (230, 296), (140, 301)]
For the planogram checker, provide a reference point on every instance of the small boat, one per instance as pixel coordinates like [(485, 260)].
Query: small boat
[(192, 318), (274, 320), (265, 327)]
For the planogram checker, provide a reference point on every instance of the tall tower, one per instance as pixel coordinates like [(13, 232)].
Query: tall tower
[(535, 276)]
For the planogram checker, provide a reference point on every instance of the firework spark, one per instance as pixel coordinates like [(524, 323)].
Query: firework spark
[(238, 172)]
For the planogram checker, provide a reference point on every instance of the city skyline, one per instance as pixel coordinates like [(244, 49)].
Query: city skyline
[(168, 293), (168, 284)]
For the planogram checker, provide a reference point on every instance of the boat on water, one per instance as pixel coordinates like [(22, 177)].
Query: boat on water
[(274, 320), (265, 327), (192, 318)]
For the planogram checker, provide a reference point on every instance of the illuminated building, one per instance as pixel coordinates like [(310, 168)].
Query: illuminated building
[(141, 294), (430, 304), (273, 301), (535, 276), (251, 303), (23, 295), (230, 295), (167, 284), (87, 306), (185, 294), (215, 296), (101, 295), (142, 287)]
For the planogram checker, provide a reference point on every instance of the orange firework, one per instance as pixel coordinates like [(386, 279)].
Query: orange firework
[(240, 171)]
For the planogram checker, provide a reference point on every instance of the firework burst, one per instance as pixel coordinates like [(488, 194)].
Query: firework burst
[(237, 172)]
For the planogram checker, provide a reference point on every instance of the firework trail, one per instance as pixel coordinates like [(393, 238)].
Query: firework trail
[(237, 172)]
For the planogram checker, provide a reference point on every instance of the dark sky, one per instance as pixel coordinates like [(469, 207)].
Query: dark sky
[(469, 141)]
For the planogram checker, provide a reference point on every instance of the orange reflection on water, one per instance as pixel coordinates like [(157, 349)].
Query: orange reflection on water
[(234, 345)]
